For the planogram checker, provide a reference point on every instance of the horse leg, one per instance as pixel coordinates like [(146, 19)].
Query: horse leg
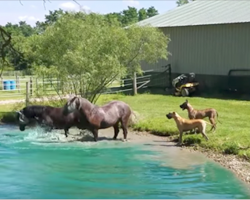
[(66, 132), (116, 130), (125, 129), (48, 124), (95, 133)]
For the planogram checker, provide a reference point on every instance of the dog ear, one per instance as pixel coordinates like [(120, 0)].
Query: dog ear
[(174, 113)]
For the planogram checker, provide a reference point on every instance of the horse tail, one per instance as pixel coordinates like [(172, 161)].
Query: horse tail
[(218, 117), (133, 118)]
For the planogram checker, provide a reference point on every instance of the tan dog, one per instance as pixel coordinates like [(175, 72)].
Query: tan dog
[(211, 113), (188, 124)]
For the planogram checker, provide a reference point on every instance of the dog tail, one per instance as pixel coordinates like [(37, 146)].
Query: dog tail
[(218, 117), (208, 123)]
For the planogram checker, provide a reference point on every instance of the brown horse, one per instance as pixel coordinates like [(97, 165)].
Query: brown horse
[(110, 114)]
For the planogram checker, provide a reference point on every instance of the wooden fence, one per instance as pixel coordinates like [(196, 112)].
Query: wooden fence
[(25, 87)]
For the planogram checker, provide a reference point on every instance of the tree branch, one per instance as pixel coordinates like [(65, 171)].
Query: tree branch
[(129, 62)]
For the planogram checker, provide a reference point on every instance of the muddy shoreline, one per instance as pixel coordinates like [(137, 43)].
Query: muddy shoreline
[(239, 166)]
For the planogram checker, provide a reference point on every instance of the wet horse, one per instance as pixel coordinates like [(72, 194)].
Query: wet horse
[(108, 115), (48, 117)]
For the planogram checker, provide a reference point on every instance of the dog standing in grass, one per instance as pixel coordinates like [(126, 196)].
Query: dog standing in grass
[(211, 113), (188, 124)]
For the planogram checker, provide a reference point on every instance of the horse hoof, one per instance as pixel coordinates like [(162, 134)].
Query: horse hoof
[(179, 144)]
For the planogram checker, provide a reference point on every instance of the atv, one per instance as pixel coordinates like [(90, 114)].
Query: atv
[(185, 85)]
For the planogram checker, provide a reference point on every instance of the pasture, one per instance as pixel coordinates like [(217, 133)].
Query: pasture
[(231, 136)]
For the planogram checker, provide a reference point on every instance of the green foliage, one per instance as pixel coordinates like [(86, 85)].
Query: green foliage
[(231, 137), (151, 11), (230, 148), (87, 52), (191, 140), (142, 14), (183, 2), (14, 59), (132, 15)]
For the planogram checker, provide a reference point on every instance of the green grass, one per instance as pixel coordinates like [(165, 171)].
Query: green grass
[(232, 134)]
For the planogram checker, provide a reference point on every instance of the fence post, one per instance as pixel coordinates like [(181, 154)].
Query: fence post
[(18, 83), (36, 84), (31, 86), (135, 84), (43, 83), (57, 84), (27, 94), (1, 78)]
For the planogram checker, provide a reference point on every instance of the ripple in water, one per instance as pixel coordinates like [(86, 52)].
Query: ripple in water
[(47, 165)]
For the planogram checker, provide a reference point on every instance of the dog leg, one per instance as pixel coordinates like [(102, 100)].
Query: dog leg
[(180, 139), (203, 132), (212, 121)]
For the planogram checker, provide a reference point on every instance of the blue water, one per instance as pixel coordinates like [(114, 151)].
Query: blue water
[(36, 165)]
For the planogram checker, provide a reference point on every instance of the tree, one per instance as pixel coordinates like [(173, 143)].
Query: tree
[(151, 11), (88, 53), (182, 2), (144, 44), (50, 19), (130, 16), (142, 14)]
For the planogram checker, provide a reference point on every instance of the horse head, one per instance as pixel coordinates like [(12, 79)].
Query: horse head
[(72, 105), (23, 120)]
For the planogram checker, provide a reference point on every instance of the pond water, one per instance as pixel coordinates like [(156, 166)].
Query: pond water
[(39, 165)]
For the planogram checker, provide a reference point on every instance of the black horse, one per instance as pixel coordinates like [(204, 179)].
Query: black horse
[(50, 118)]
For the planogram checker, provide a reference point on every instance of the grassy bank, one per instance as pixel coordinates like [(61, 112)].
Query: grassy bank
[(232, 136)]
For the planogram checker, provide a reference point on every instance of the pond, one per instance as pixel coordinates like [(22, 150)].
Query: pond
[(46, 165)]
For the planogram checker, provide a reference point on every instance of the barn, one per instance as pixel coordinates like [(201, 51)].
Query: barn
[(210, 38)]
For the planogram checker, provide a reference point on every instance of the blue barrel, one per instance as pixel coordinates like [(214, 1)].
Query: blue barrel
[(12, 85), (6, 85)]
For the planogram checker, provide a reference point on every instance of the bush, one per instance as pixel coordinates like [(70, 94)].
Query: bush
[(8, 117), (191, 140), (231, 148)]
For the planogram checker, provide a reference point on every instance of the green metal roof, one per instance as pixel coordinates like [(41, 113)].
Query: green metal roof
[(203, 12)]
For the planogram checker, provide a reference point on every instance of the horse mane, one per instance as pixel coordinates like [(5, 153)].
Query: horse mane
[(35, 110)]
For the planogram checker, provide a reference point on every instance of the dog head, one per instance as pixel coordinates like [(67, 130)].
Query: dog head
[(171, 115), (184, 105)]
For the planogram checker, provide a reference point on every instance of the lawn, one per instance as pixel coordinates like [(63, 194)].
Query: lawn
[(231, 135)]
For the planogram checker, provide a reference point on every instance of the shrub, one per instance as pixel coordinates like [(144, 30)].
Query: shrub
[(231, 148), (191, 140)]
